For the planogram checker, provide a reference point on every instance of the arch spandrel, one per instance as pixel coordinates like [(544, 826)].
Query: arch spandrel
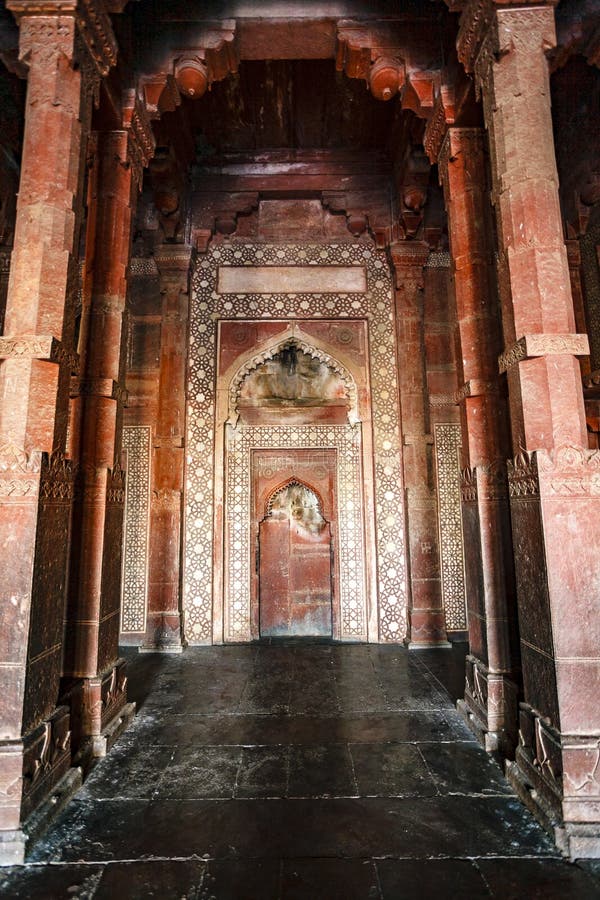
[(276, 347)]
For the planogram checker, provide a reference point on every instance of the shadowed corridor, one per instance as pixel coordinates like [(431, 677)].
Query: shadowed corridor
[(297, 770)]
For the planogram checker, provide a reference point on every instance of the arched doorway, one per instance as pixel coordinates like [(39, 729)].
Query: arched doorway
[(295, 551)]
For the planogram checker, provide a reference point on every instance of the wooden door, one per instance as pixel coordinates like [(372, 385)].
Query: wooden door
[(295, 566)]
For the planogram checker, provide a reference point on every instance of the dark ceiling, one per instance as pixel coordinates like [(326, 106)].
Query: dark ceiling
[(297, 104)]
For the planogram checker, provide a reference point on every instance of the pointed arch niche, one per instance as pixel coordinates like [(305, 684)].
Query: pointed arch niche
[(281, 388)]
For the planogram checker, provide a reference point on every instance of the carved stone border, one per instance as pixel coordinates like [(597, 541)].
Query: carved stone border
[(136, 441), (447, 439), (531, 345), (346, 439), (376, 306)]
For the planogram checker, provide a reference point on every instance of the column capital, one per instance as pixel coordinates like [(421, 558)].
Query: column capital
[(409, 258), (48, 27), (173, 259), (480, 40)]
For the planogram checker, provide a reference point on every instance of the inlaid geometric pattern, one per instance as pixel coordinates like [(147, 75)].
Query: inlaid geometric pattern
[(590, 271), (376, 305), (136, 441), (447, 439), (346, 439)]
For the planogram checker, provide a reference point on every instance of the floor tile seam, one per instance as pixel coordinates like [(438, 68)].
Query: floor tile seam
[(305, 743), (353, 768), (237, 772), (207, 858), (475, 863), (416, 794), (432, 775), (308, 743), (374, 859), (356, 713), (82, 802)]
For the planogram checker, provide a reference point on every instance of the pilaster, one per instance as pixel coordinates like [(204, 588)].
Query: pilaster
[(92, 669), (65, 47), (164, 631), (426, 615), (553, 476), (490, 703)]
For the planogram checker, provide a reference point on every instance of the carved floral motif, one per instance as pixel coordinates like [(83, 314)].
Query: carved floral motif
[(523, 476), (532, 345), (58, 478), (569, 471)]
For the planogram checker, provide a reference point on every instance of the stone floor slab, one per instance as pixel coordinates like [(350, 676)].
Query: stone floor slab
[(292, 770)]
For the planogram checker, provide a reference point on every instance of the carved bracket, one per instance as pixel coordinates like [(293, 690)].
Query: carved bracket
[(532, 345), (140, 138), (371, 54), (215, 57), (474, 388), (40, 346), (443, 115)]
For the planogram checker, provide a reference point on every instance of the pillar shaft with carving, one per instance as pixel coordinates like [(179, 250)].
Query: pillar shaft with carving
[(66, 50), (490, 703), (92, 669), (164, 578), (553, 478), (426, 615)]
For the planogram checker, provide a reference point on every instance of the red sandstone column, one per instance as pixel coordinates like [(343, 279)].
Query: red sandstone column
[(554, 479), (57, 44), (164, 577), (426, 615), (93, 615), (490, 703)]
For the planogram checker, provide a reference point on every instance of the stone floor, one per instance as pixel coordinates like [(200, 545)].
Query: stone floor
[(311, 771)]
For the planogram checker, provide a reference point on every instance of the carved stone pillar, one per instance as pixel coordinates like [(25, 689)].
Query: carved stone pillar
[(66, 51), (490, 704), (553, 481), (426, 615), (94, 676), (164, 589)]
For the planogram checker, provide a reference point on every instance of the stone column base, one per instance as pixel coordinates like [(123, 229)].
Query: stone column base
[(489, 707), (163, 633), (12, 847), (95, 703), (427, 628), (30, 770), (554, 775)]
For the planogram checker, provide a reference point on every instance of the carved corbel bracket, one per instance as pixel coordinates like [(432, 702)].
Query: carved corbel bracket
[(215, 57), (532, 345), (372, 54), (219, 212), (475, 21), (418, 93), (140, 138), (443, 115), (38, 346), (160, 93), (364, 211)]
